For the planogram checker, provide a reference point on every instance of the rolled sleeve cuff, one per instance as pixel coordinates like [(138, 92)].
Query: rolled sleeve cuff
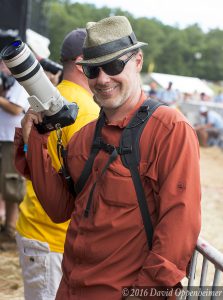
[(18, 139), (21, 160), (158, 271), (41, 137), (36, 141)]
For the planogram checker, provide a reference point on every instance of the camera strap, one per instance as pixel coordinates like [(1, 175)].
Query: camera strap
[(62, 154)]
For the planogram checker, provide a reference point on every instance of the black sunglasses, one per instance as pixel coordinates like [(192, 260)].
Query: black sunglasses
[(112, 68)]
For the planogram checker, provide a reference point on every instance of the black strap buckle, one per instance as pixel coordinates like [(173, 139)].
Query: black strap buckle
[(108, 148), (100, 144), (144, 108)]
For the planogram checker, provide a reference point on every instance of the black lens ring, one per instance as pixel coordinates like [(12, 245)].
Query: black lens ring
[(11, 48), (29, 75), (25, 65)]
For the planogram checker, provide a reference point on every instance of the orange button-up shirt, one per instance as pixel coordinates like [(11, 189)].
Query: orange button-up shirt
[(108, 249)]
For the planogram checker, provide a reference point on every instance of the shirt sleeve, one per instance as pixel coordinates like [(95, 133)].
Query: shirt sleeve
[(20, 159), (18, 95), (49, 186), (178, 203)]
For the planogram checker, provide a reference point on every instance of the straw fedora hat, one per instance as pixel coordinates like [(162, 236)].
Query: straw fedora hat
[(107, 40)]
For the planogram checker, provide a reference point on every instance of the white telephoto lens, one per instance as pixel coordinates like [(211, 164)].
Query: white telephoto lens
[(44, 96)]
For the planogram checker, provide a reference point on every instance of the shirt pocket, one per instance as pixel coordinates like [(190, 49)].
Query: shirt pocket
[(117, 187)]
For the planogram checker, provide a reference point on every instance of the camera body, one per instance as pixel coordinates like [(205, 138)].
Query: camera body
[(44, 96), (6, 81), (50, 66)]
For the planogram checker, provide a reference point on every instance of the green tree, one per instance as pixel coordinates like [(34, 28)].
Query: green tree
[(189, 52), (149, 31), (213, 55)]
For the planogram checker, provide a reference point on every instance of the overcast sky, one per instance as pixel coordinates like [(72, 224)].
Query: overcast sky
[(207, 13)]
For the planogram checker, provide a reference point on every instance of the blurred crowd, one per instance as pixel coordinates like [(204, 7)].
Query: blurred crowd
[(204, 112), (171, 96)]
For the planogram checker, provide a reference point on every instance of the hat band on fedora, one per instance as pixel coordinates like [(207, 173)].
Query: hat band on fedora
[(110, 47)]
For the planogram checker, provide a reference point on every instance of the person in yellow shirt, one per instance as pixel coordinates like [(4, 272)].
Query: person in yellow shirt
[(40, 241)]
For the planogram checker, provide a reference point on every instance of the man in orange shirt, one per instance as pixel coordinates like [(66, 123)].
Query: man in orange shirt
[(106, 245)]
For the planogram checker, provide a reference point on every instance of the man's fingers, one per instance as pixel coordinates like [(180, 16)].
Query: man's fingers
[(32, 116)]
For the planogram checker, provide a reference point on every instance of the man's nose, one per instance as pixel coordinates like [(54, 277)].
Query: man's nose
[(102, 76)]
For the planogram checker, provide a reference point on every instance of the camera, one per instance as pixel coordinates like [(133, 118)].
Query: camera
[(50, 66), (6, 81), (44, 96)]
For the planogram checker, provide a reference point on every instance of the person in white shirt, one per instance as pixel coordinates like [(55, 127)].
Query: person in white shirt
[(13, 104), (210, 128)]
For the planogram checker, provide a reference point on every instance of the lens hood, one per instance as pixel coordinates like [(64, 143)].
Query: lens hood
[(12, 50)]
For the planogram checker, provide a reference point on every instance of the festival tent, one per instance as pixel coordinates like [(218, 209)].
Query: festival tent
[(183, 84)]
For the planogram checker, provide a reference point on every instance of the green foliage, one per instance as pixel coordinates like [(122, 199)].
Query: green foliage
[(189, 52)]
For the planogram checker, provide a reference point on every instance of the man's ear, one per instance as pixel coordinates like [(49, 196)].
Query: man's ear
[(79, 67), (139, 61)]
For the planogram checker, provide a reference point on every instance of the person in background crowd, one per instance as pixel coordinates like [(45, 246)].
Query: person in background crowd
[(106, 246), (153, 92), (219, 97), (41, 241), (54, 78), (204, 97), (168, 96), (211, 127), (13, 104)]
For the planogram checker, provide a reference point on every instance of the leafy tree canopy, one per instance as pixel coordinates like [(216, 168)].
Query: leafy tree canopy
[(188, 52)]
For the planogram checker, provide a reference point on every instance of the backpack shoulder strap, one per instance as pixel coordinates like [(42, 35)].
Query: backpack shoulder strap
[(95, 148), (130, 156), (132, 133)]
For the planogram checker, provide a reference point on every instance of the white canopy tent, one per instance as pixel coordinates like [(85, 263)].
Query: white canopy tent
[(183, 84)]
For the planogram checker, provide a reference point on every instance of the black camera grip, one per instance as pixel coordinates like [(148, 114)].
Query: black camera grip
[(66, 116)]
